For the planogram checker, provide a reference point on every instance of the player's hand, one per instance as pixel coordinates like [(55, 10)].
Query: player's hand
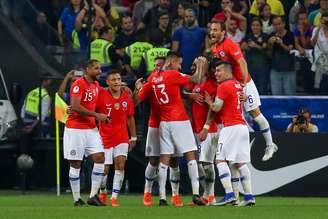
[(203, 135), (69, 110), (102, 117), (132, 144), (208, 99), (70, 74), (139, 84), (197, 97), (242, 97)]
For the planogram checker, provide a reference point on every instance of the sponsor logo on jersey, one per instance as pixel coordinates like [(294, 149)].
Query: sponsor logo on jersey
[(76, 89)]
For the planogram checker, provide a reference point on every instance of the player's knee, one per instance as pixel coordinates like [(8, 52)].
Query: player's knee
[(238, 165), (191, 155), (154, 161), (106, 170), (255, 112), (98, 158), (75, 164), (120, 163), (174, 162)]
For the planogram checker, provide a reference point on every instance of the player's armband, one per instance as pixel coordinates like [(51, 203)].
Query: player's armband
[(217, 102)]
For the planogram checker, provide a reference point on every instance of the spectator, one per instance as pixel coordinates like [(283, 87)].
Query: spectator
[(302, 123), (240, 6), (126, 35), (320, 66), (276, 7), (313, 5), (206, 10), (66, 23), (302, 36), (178, 22), (96, 26), (42, 29), (255, 46), (161, 36), (112, 16), (227, 6), (293, 12), (149, 22), (282, 74), (266, 18), (140, 9), (315, 16), (64, 87), (189, 40), (235, 32)]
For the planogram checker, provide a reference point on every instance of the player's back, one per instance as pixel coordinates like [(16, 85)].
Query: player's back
[(166, 87), (232, 110), (88, 92), (229, 51)]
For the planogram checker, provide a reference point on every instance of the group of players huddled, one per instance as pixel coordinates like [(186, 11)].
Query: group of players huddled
[(219, 89)]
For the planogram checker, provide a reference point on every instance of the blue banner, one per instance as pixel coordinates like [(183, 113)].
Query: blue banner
[(279, 111)]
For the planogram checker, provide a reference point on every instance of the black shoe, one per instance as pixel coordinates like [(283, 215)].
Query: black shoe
[(79, 203), (163, 202), (197, 200), (95, 201)]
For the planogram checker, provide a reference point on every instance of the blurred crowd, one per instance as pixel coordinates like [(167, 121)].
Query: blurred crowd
[(285, 41)]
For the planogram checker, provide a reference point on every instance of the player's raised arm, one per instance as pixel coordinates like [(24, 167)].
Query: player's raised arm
[(201, 70), (243, 65)]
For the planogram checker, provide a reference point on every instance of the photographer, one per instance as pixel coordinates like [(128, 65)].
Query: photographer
[(302, 123)]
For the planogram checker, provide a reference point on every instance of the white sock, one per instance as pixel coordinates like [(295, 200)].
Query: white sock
[(175, 180), (96, 178), (265, 128), (209, 179), (74, 179), (162, 176), (117, 182), (193, 175), (245, 178), (150, 176), (225, 176), (201, 177), (103, 185), (235, 179)]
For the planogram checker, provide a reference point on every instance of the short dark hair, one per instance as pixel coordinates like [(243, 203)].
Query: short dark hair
[(274, 17), (162, 13), (221, 23), (104, 30), (113, 71), (225, 64), (302, 11), (91, 62), (214, 62), (160, 57), (173, 54), (324, 14), (256, 19), (125, 15)]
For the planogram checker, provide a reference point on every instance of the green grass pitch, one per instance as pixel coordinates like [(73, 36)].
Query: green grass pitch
[(46, 205)]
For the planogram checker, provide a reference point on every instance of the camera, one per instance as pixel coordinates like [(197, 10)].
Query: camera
[(78, 73), (301, 120)]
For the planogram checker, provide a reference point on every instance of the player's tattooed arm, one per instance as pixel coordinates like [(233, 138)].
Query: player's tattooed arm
[(138, 86), (243, 65), (216, 105), (201, 70)]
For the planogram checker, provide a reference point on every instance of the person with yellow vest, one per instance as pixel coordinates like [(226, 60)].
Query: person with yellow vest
[(136, 50), (148, 61), (30, 113)]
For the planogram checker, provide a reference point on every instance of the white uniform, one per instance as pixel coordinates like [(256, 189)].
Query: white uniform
[(207, 148), (253, 98), (176, 137), (233, 144), (152, 143), (113, 152), (81, 142)]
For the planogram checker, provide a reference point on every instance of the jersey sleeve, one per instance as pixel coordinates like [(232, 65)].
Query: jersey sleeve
[(144, 92), (76, 89), (222, 92), (234, 50), (180, 79)]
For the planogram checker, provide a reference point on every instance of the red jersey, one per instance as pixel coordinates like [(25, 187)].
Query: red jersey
[(166, 88), (146, 93), (232, 109), (199, 111), (116, 131), (89, 95), (230, 51)]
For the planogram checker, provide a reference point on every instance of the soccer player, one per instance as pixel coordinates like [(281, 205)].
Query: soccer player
[(152, 150), (81, 136), (206, 148), (227, 50), (117, 104), (233, 144), (175, 129)]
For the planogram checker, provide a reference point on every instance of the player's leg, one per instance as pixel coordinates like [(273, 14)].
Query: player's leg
[(252, 105), (103, 186), (120, 153), (245, 178), (95, 149), (175, 181), (152, 151), (74, 152), (150, 177), (235, 177), (263, 123)]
